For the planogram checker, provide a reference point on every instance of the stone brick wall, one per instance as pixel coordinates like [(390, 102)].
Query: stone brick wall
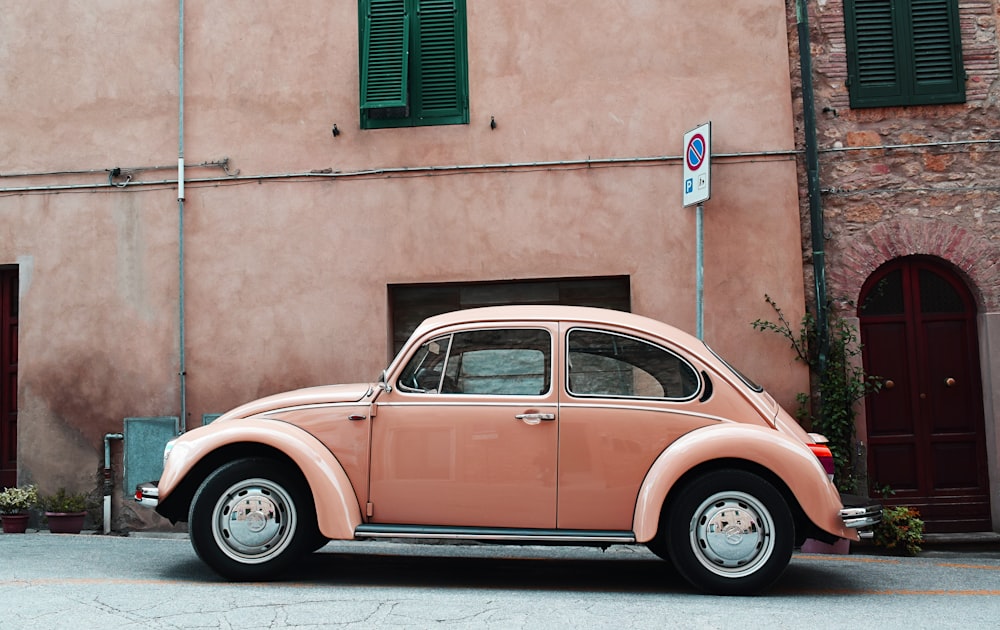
[(905, 180)]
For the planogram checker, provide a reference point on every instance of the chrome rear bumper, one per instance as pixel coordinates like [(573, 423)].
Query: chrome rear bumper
[(860, 512), (147, 494)]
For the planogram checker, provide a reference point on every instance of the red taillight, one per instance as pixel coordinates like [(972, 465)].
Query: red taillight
[(825, 457)]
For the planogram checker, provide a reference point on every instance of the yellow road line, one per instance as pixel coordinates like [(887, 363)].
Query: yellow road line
[(985, 567), (899, 591), (871, 560)]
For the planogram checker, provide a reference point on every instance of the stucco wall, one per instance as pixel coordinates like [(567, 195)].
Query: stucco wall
[(288, 250), (305, 283)]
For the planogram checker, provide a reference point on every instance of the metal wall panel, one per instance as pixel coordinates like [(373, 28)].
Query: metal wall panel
[(145, 439)]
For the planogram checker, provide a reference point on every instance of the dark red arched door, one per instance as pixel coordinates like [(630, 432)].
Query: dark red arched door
[(926, 433)]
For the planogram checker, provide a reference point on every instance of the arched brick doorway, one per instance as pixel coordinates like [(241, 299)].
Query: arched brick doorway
[(926, 430)]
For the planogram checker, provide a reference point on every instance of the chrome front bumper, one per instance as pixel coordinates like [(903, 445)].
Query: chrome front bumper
[(859, 512), (147, 494)]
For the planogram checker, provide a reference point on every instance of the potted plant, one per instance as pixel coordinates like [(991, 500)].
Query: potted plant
[(64, 510), (14, 505), (901, 530)]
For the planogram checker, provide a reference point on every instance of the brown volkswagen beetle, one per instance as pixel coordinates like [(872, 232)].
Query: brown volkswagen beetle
[(519, 425)]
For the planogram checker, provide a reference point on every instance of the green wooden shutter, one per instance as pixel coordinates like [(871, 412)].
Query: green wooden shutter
[(903, 52), (440, 61), (384, 55), (938, 75), (876, 65)]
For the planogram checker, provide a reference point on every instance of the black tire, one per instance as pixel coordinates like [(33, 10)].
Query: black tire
[(659, 546), (278, 521), (730, 532), (317, 542)]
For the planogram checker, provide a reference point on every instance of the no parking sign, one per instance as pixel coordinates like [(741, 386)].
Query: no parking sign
[(697, 164)]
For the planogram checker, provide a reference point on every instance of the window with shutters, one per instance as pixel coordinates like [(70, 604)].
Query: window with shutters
[(903, 52), (414, 63)]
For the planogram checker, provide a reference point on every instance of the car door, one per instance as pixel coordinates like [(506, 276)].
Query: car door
[(626, 400), (468, 434)]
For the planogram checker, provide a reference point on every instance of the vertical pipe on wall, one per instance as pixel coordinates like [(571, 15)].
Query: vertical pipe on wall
[(182, 372), (812, 172), (109, 481)]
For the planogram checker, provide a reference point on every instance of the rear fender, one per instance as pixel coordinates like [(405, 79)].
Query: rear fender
[(787, 458), (337, 509)]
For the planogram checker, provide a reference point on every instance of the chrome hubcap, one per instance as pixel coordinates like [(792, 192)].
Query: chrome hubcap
[(254, 520), (732, 534)]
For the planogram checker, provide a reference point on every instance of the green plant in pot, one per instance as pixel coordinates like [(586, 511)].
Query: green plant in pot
[(14, 505), (64, 510), (901, 530)]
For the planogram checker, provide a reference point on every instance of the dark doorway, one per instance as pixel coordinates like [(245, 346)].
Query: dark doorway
[(412, 303), (8, 376), (926, 432)]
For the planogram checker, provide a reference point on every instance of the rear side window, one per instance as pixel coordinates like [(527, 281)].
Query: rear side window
[(609, 364), (743, 377)]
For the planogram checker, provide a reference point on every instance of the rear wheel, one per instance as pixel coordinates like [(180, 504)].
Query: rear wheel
[(251, 519), (730, 532)]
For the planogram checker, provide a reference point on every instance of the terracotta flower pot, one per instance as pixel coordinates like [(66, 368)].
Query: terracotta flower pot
[(14, 523), (65, 522)]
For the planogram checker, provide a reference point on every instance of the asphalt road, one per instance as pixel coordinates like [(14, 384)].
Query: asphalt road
[(93, 581)]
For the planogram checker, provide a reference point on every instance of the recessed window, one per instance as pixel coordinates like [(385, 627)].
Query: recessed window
[(412, 303), (903, 52)]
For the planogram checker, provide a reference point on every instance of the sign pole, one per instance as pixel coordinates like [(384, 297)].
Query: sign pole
[(700, 270), (697, 190)]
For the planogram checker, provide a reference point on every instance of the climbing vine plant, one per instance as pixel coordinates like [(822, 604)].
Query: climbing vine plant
[(829, 409)]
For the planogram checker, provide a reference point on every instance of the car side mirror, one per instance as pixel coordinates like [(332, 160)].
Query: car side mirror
[(383, 382)]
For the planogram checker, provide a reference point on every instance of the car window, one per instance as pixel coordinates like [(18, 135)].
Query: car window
[(743, 377), (609, 364), (496, 362), (423, 372)]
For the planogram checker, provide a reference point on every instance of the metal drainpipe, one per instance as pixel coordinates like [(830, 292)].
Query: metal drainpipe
[(182, 372), (109, 482), (812, 172)]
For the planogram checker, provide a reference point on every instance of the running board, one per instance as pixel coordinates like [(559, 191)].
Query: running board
[(497, 534)]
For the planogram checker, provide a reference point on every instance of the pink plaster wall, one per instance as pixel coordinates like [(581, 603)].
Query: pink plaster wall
[(286, 278)]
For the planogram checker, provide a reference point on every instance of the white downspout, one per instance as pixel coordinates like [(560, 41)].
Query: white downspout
[(109, 481), (182, 373)]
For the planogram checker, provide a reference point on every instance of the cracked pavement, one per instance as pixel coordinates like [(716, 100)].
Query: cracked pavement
[(111, 582)]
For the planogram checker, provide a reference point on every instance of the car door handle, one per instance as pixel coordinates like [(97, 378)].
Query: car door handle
[(535, 418)]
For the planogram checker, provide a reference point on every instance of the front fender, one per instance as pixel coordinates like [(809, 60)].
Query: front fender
[(789, 459), (337, 510)]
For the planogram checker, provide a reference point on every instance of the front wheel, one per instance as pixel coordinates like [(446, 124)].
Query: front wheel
[(730, 532), (251, 519)]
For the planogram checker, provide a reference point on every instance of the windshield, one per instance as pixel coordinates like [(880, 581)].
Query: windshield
[(743, 377)]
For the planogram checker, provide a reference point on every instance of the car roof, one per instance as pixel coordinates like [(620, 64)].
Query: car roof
[(585, 315), (554, 312)]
